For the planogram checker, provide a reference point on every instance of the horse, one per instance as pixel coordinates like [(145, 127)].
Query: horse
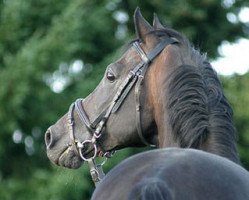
[(160, 92), (174, 174)]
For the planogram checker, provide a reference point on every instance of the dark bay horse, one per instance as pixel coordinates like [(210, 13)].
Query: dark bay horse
[(161, 91), (175, 174)]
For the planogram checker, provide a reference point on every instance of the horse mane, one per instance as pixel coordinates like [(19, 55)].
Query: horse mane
[(199, 113)]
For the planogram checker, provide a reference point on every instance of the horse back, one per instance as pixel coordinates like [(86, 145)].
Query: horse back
[(175, 174)]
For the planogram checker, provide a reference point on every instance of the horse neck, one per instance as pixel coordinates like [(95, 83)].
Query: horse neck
[(207, 139), (208, 132), (157, 97)]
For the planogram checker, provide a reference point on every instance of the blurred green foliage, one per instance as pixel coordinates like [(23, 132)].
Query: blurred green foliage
[(236, 90), (41, 43)]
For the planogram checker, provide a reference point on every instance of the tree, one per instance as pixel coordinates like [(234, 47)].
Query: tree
[(44, 44), (236, 88)]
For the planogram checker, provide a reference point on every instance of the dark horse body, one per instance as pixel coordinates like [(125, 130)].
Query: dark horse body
[(175, 174), (181, 104)]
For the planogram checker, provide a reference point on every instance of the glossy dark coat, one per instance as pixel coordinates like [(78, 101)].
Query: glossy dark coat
[(175, 174)]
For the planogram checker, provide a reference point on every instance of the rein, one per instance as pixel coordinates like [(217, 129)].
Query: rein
[(134, 77)]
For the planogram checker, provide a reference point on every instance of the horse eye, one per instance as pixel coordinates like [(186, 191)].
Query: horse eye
[(110, 76)]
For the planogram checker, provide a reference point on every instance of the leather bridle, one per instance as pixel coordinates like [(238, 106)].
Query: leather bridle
[(134, 77)]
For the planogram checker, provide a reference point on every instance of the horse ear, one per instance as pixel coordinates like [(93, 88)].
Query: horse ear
[(156, 23), (143, 28), (141, 25)]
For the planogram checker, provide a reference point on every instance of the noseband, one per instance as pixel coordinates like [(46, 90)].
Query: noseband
[(134, 77)]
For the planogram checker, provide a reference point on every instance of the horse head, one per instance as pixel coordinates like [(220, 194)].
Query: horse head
[(110, 117), (160, 92)]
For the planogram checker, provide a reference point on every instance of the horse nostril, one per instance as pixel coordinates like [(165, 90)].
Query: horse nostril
[(48, 138)]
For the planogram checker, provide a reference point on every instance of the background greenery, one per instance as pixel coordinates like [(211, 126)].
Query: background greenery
[(52, 52)]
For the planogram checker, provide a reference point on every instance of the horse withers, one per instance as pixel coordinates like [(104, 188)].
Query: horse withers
[(161, 91), (175, 174)]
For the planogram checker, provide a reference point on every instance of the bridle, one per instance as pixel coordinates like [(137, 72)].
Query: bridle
[(134, 77)]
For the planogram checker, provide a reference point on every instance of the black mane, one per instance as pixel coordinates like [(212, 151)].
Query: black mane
[(199, 113)]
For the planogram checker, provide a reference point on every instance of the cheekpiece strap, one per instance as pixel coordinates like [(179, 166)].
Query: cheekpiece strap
[(141, 52)]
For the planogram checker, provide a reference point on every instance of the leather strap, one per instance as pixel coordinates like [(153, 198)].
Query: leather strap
[(141, 52), (70, 120), (138, 108), (124, 95), (159, 47), (96, 172), (82, 115)]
